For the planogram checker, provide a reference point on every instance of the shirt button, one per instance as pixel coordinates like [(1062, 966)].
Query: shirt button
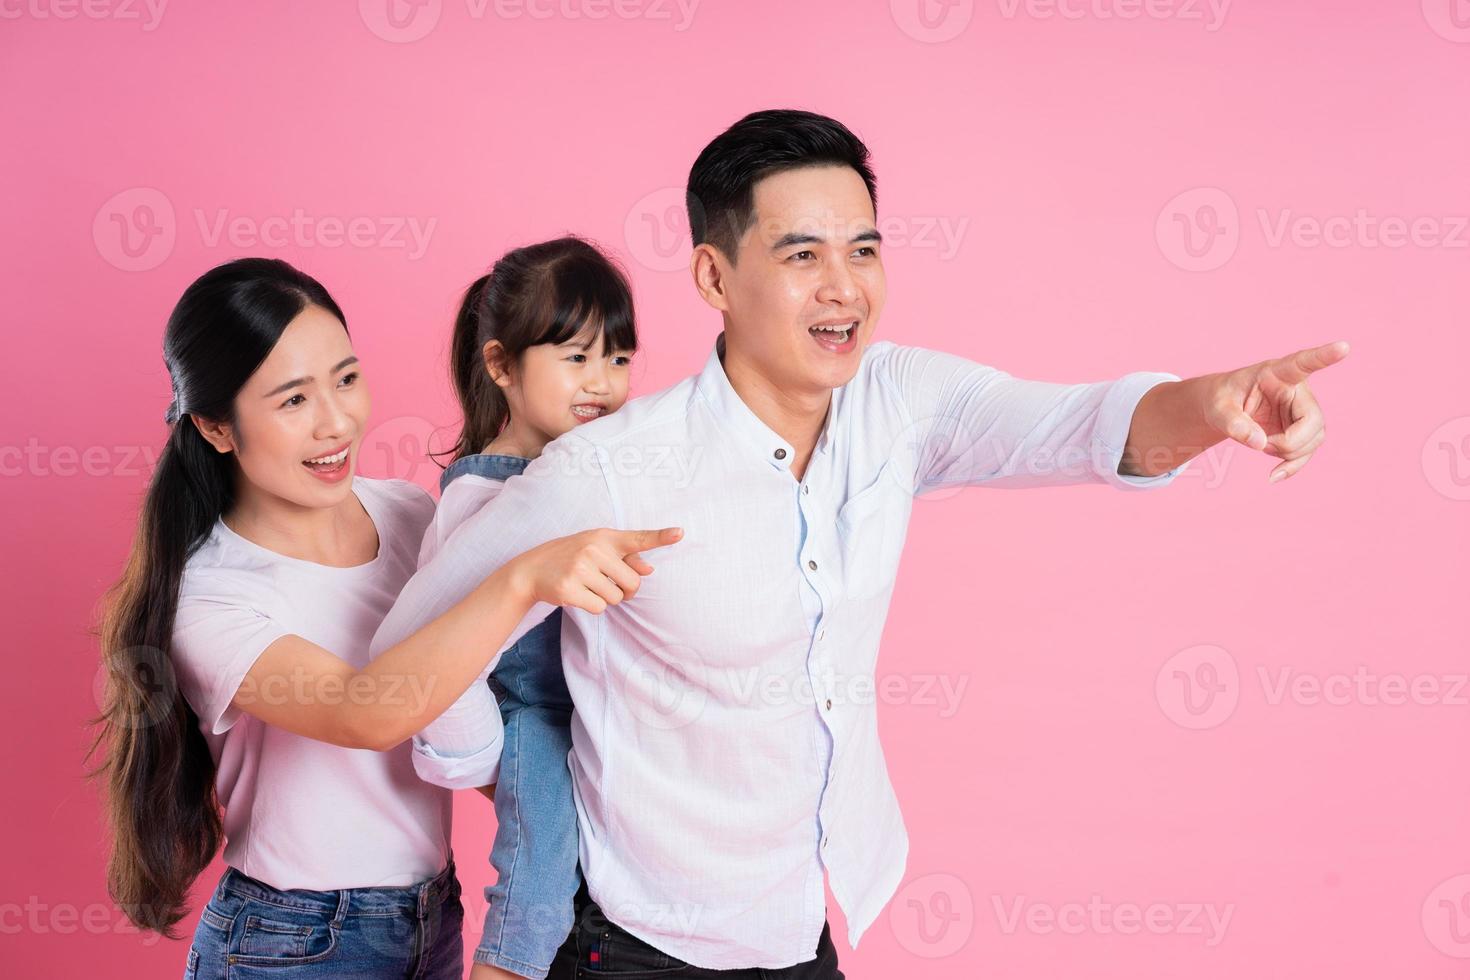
[(805, 488), (822, 634), (829, 704), (812, 565), (780, 454), (825, 840)]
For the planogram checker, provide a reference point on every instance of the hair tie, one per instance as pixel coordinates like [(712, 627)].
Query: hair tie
[(175, 410)]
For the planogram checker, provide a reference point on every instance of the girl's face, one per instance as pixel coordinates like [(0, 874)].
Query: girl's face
[(300, 418), (557, 387)]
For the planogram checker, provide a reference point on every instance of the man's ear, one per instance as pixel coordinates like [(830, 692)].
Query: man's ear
[(496, 363), (220, 435), (709, 267)]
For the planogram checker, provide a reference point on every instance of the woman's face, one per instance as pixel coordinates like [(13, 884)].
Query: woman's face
[(300, 418), (557, 387)]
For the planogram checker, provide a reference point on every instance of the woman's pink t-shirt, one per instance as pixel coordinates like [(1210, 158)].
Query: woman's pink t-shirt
[(299, 813)]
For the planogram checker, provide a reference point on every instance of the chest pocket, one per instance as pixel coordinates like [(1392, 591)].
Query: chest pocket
[(871, 527)]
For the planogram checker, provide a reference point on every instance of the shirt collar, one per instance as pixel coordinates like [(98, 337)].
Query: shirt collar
[(494, 466), (731, 411)]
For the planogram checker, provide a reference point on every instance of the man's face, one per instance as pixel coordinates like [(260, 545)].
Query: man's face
[(810, 267)]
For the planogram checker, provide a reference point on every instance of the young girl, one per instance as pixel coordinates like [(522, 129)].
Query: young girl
[(542, 344), (237, 644)]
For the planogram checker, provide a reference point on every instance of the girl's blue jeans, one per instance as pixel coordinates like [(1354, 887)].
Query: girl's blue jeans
[(535, 851)]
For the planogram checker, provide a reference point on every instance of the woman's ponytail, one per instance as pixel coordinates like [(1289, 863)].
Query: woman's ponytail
[(155, 762)]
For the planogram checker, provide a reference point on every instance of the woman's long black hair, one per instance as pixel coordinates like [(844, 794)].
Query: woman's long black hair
[(159, 774)]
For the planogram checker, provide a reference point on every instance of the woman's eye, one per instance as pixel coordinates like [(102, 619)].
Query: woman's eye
[(349, 378), (294, 400)]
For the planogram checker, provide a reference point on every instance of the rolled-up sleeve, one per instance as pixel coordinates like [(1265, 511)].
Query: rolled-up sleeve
[(971, 424), (461, 748)]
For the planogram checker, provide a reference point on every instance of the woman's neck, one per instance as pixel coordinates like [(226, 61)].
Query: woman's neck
[(342, 535)]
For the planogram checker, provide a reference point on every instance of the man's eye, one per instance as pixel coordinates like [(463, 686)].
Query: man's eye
[(867, 251), (806, 252)]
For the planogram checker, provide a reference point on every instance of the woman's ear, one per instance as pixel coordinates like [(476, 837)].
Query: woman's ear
[(218, 434), (496, 363)]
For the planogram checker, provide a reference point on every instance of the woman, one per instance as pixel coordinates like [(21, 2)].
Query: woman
[(237, 644)]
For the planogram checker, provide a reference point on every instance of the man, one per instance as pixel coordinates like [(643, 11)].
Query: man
[(791, 462)]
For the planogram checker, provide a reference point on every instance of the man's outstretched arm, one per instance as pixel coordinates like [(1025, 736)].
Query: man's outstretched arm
[(1267, 406)]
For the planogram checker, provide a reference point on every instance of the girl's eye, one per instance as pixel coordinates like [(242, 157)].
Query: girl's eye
[(622, 361), (577, 358)]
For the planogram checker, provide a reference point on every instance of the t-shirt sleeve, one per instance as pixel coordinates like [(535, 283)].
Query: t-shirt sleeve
[(420, 505), (217, 638)]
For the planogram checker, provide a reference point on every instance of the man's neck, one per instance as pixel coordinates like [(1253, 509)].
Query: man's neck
[(797, 417)]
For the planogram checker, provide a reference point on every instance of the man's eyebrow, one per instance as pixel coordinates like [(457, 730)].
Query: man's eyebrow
[(802, 238), (296, 382)]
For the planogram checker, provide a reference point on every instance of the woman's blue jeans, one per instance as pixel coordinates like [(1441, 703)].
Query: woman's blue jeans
[(250, 930)]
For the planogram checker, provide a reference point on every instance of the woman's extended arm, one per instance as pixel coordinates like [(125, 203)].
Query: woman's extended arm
[(306, 689)]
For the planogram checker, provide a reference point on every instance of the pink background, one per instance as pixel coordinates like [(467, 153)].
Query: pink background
[(1031, 160)]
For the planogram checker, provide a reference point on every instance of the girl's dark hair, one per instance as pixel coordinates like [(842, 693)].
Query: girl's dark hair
[(721, 191), (158, 771), (545, 293)]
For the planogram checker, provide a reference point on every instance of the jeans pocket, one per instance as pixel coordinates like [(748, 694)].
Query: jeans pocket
[(614, 952), (267, 935)]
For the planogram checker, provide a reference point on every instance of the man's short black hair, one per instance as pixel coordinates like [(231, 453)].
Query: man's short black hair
[(720, 196)]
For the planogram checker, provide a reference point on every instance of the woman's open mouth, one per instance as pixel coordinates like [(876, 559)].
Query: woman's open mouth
[(330, 468)]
